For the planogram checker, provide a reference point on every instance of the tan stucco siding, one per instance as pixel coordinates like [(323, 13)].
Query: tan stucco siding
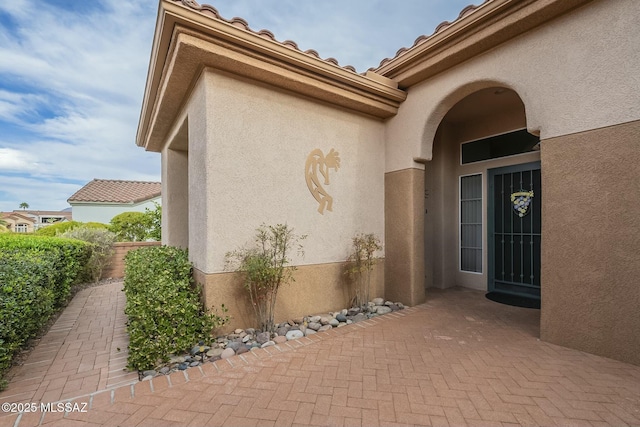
[(247, 167), (591, 241), (318, 288), (575, 73)]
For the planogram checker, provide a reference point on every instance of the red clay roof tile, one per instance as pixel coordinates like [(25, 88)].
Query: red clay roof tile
[(212, 12), (207, 9), (116, 191), (444, 24)]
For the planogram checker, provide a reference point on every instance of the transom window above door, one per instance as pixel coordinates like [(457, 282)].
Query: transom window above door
[(503, 145)]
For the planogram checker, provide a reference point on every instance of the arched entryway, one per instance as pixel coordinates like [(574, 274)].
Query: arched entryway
[(483, 197)]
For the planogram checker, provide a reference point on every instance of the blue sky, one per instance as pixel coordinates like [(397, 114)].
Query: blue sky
[(72, 76)]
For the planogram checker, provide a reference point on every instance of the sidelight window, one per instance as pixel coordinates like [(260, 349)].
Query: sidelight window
[(471, 223)]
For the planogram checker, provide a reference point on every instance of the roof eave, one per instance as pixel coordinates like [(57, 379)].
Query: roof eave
[(490, 24), (183, 35)]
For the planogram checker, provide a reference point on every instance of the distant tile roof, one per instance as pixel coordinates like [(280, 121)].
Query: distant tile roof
[(116, 191), (16, 215), (65, 214), (212, 12)]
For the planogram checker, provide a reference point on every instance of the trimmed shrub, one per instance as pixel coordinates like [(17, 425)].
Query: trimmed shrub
[(138, 226), (62, 227), (163, 306), (102, 241), (130, 226)]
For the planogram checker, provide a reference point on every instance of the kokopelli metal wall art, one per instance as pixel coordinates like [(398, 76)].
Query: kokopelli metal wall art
[(318, 165)]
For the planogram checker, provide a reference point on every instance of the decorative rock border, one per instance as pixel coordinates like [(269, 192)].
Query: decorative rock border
[(249, 340)]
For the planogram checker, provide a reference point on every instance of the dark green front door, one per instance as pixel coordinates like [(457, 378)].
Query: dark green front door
[(514, 229)]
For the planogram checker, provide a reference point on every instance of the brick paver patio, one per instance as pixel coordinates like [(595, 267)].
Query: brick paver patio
[(456, 360), (83, 352)]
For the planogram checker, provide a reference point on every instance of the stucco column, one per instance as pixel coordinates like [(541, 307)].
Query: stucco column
[(404, 236), (175, 198), (200, 179)]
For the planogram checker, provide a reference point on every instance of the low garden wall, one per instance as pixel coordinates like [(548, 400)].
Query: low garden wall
[(115, 269)]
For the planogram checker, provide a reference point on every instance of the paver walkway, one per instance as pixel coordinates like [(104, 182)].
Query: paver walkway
[(456, 360), (83, 352)]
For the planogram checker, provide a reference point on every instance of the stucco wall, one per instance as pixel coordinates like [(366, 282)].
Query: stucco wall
[(575, 73), (591, 241), (247, 167), (105, 212), (246, 149)]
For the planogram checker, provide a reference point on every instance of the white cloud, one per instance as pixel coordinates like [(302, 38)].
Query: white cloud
[(14, 105), (15, 160)]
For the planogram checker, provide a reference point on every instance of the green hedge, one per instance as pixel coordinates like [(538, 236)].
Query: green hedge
[(163, 306), (36, 274), (26, 298), (69, 257)]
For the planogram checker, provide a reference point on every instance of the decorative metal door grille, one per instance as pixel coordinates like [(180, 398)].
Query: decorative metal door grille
[(515, 200)]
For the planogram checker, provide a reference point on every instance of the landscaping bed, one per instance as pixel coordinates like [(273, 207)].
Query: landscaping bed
[(245, 340)]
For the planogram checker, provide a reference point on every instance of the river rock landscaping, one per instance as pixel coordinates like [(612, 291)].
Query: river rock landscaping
[(245, 340)]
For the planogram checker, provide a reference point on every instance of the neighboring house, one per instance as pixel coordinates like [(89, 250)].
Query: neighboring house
[(45, 218), (499, 153), (102, 199), (27, 221), (19, 222)]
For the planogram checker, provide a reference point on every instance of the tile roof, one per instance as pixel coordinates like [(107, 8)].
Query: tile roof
[(441, 26), (116, 191), (212, 12)]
